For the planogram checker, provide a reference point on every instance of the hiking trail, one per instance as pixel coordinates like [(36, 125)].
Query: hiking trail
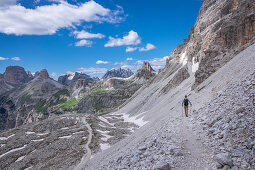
[(87, 156), (197, 155)]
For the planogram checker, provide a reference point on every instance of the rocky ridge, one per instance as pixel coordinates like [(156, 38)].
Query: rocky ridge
[(71, 77), (120, 72)]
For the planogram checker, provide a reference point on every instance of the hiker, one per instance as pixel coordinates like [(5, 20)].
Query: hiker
[(186, 103)]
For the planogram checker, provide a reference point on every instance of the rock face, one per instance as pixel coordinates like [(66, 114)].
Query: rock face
[(146, 71), (71, 77), (44, 74), (122, 73), (16, 75), (223, 29)]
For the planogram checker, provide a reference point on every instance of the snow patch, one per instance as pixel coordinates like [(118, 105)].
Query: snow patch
[(37, 140), (5, 138), (13, 150), (29, 133), (134, 119), (65, 137), (105, 120), (104, 146), (42, 134), (64, 128), (20, 158), (194, 65), (184, 58)]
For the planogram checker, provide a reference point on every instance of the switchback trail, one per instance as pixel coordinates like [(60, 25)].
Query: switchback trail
[(87, 156)]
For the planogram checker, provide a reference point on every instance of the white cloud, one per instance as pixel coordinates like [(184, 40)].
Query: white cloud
[(86, 43), (48, 19), (156, 63), (131, 67), (131, 39), (3, 58), (5, 3), (86, 35), (131, 49), (93, 70), (16, 58), (148, 47), (129, 59), (102, 62)]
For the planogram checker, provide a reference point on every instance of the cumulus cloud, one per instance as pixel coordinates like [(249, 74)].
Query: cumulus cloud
[(131, 39), (16, 58), (5, 3), (131, 49), (156, 63), (129, 59), (3, 58), (86, 43), (93, 70), (148, 47), (86, 35), (102, 62), (48, 19)]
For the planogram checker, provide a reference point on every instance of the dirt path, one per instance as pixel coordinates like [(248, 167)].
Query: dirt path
[(197, 156), (87, 156)]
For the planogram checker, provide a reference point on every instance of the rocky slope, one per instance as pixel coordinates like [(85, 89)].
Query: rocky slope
[(23, 104), (149, 131), (108, 95), (122, 73), (42, 97)]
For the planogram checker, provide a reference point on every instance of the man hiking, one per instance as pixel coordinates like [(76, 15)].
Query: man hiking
[(186, 103)]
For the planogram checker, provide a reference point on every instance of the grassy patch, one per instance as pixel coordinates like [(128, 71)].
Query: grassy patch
[(24, 98), (63, 92), (39, 107), (99, 90), (68, 104)]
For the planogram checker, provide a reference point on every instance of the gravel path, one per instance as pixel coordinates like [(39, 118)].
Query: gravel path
[(87, 156)]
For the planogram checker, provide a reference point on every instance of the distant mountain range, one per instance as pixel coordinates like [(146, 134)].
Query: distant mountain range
[(122, 73)]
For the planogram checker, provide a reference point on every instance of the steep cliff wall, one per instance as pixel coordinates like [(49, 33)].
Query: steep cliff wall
[(223, 29)]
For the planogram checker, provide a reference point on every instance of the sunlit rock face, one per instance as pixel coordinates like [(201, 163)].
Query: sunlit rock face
[(223, 29)]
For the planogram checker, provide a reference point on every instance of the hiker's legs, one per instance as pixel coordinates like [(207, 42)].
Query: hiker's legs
[(186, 110)]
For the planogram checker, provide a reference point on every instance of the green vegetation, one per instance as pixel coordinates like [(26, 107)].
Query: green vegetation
[(68, 104), (99, 90), (63, 92), (39, 107), (24, 98), (52, 103), (99, 106)]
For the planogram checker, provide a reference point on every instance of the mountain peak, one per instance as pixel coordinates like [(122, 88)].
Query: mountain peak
[(16, 75), (44, 74), (120, 72)]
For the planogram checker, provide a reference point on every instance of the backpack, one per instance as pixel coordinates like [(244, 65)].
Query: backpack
[(186, 102)]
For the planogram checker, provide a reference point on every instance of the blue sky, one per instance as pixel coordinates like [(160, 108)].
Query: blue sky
[(91, 36)]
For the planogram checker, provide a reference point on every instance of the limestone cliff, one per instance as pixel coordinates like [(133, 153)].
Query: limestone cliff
[(223, 29)]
